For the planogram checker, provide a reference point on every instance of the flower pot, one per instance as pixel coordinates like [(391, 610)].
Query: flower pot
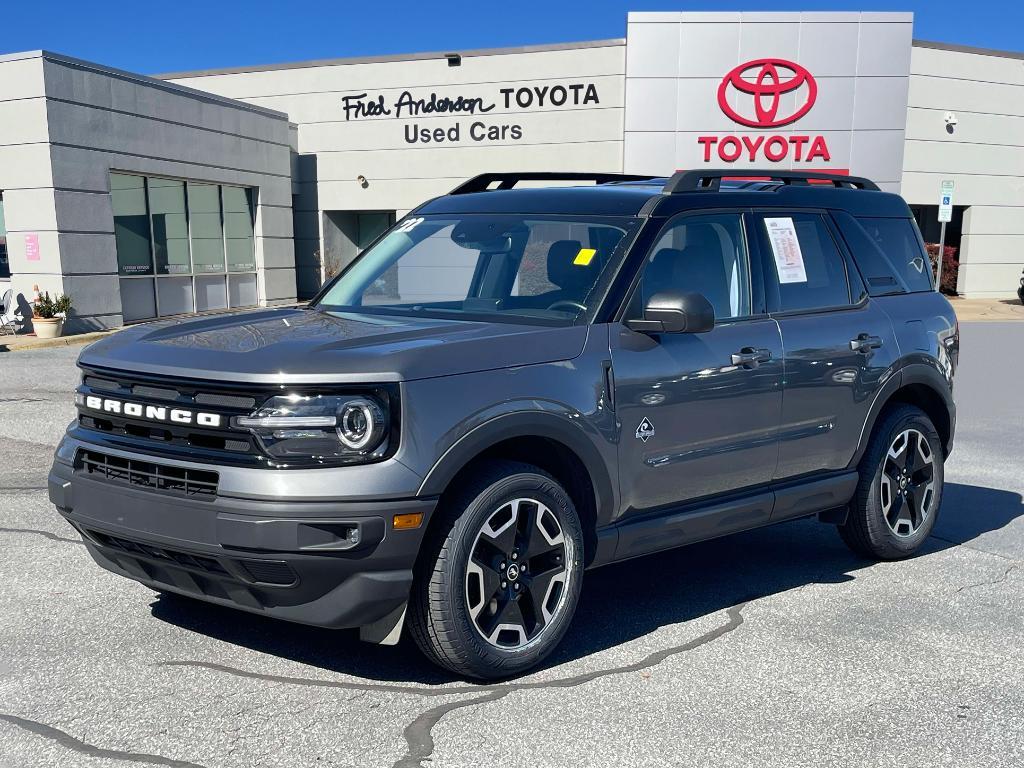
[(47, 327)]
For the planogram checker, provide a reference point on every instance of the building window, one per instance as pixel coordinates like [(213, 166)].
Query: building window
[(131, 225), (238, 229), (169, 226), (177, 241), (5, 265), (206, 227)]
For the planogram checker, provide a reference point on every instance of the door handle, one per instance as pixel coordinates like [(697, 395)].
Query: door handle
[(865, 343), (750, 357)]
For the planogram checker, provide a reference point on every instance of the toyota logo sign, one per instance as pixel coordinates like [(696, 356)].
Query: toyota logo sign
[(765, 81)]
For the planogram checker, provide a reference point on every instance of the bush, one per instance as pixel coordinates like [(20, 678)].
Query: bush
[(46, 308), (950, 265)]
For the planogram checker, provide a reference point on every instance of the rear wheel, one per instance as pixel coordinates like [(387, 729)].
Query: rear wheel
[(498, 582), (901, 477)]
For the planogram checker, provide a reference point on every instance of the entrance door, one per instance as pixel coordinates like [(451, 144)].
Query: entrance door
[(699, 412), (346, 234)]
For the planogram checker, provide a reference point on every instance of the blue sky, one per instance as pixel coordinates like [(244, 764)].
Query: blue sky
[(150, 37)]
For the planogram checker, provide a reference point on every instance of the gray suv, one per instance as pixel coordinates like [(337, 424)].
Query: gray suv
[(514, 385)]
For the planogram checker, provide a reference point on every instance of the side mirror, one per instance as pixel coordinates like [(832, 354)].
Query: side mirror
[(675, 312)]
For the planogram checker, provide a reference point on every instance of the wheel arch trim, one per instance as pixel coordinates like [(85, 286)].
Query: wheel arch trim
[(525, 424), (910, 374)]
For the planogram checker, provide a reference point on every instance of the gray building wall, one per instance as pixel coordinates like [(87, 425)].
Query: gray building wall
[(335, 148), (65, 124), (26, 179), (983, 154)]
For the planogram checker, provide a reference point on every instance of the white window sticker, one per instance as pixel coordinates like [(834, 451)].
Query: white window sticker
[(789, 261)]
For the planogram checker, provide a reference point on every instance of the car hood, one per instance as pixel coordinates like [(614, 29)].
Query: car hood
[(313, 346)]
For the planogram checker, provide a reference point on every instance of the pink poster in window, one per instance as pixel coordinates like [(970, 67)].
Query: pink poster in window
[(32, 247)]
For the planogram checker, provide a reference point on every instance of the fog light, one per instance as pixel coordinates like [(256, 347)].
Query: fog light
[(407, 521)]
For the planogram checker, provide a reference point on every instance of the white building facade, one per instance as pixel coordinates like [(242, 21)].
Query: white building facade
[(193, 192)]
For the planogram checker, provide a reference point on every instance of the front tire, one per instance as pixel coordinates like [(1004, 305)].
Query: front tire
[(897, 500), (499, 578)]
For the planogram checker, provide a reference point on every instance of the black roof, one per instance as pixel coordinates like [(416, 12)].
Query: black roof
[(619, 195)]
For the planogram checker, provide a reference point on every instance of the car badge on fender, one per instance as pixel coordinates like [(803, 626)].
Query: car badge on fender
[(645, 431)]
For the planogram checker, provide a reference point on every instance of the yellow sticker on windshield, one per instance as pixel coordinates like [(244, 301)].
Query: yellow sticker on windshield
[(584, 257)]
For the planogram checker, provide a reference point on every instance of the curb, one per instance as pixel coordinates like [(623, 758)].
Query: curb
[(60, 341), (984, 311)]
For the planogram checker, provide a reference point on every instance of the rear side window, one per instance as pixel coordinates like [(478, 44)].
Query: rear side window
[(809, 271), (899, 244)]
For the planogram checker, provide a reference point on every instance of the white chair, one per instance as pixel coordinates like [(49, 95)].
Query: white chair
[(10, 317)]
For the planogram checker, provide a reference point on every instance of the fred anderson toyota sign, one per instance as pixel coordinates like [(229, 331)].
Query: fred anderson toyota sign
[(363, 105), (147, 197)]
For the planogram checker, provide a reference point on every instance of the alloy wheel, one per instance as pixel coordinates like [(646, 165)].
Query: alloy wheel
[(908, 483), (518, 573)]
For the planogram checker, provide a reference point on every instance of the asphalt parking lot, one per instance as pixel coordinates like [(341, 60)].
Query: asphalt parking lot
[(775, 647)]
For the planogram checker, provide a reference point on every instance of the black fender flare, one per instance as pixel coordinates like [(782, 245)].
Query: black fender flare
[(912, 373), (526, 424)]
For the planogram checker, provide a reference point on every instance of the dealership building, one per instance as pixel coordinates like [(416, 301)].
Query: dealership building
[(145, 197)]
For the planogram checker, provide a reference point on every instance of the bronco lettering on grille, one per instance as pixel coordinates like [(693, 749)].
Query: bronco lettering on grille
[(152, 412)]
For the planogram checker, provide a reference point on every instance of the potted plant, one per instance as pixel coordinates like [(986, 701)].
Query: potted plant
[(48, 315)]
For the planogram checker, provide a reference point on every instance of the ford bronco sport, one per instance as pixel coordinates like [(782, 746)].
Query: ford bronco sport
[(514, 385)]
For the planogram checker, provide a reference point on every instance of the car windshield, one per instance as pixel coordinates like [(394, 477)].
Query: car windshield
[(513, 267)]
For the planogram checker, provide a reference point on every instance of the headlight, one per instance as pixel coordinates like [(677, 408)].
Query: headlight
[(320, 429)]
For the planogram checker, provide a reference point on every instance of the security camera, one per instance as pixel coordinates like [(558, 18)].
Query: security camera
[(950, 118)]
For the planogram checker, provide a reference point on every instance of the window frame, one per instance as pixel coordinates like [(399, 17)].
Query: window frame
[(657, 228), (224, 273), (854, 283)]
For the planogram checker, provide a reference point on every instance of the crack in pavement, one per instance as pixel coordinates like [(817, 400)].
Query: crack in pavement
[(46, 534), (82, 747), (1000, 580), (653, 659), (24, 488), (418, 734)]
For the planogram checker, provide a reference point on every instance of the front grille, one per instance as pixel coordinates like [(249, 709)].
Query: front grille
[(148, 391), (225, 401), (159, 433), (148, 475), (155, 393), (164, 436), (104, 385)]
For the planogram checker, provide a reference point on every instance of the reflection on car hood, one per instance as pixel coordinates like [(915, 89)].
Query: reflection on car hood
[(303, 345)]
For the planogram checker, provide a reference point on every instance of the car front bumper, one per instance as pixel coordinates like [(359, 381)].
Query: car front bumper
[(324, 563)]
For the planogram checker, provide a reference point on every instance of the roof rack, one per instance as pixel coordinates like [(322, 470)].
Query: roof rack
[(483, 182), (711, 180)]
